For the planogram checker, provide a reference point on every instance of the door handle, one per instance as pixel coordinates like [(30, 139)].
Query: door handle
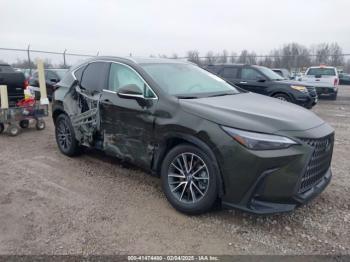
[(107, 101), (243, 82)]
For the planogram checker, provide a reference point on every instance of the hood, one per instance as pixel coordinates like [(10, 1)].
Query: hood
[(252, 112), (293, 82)]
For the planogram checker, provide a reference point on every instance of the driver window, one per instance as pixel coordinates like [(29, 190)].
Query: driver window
[(250, 74), (121, 76)]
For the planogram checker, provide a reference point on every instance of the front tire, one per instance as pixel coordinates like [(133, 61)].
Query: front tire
[(189, 179), (282, 97), (65, 136)]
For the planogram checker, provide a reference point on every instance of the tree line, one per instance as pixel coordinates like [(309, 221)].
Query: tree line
[(293, 56)]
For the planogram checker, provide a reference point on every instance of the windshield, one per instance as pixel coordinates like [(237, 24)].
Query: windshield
[(269, 73), (186, 80), (321, 72)]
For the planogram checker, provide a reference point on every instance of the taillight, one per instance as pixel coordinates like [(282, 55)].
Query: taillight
[(25, 84), (336, 81)]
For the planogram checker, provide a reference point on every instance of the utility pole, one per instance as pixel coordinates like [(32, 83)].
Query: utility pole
[(29, 62), (64, 58)]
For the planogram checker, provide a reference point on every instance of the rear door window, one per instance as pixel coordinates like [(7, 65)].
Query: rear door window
[(94, 77), (321, 72), (250, 74), (229, 72)]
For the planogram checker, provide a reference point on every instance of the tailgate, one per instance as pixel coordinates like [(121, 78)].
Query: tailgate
[(324, 80)]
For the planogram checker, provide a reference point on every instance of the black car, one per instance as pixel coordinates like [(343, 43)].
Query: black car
[(344, 79), (52, 77), (15, 82), (205, 138), (262, 80)]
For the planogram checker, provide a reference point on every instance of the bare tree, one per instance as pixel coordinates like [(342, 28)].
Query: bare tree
[(322, 53), (193, 56), (223, 57), (23, 64), (243, 57), (336, 58), (233, 57), (211, 58)]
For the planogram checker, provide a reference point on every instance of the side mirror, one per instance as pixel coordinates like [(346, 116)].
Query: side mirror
[(261, 79), (54, 80), (131, 91)]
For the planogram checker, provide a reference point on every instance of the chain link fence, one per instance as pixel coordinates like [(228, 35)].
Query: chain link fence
[(25, 58)]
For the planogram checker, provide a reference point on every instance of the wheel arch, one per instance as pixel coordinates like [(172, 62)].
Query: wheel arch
[(176, 139), (282, 93), (57, 109)]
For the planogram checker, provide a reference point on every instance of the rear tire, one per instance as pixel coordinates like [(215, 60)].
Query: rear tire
[(190, 188), (24, 124), (65, 136), (40, 124), (283, 97), (13, 130), (2, 128)]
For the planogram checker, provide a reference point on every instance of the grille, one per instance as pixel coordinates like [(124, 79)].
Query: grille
[(312, 91), (319, 163)]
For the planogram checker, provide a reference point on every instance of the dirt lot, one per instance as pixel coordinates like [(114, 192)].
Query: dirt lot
[(52, 204)]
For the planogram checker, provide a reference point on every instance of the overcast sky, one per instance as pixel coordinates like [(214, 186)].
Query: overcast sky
[(120, 27)]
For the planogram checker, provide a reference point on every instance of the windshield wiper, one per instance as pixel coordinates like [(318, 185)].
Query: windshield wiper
[(223, 94), (187, 97)]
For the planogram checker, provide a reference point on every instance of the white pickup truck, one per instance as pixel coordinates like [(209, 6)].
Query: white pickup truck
[(324, 78)]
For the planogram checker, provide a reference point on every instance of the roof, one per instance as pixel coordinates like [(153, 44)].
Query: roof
[(141, 60)]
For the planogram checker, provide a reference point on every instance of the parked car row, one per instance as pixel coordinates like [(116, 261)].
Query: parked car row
[(52, 77)]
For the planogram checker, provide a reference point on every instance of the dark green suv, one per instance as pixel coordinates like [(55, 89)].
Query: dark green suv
[(206, 139)]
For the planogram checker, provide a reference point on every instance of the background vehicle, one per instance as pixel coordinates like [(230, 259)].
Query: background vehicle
[(324, 78), (15, 82), (284, 73), (344, 79), (25, 71), (262, 80), (206, 139), (52, 77)]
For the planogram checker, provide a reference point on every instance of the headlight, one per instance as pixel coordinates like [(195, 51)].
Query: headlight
[(259, 141), (300, 88)]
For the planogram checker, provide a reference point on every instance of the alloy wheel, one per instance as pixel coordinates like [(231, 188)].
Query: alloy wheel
[(64, 134), (188, 178)]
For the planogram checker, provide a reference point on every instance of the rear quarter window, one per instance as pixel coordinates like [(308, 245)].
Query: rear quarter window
[(321, 72)]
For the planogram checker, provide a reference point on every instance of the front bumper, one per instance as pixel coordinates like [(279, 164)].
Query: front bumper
[(272, 181), (261, 207)]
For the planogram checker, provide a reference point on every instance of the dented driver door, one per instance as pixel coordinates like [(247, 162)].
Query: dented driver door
[(127, 123)]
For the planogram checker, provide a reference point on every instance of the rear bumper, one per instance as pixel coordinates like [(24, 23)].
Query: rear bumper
[(326, 90), (261, 207)]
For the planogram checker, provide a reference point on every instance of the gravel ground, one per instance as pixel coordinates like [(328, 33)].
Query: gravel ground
[(52, 204)]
